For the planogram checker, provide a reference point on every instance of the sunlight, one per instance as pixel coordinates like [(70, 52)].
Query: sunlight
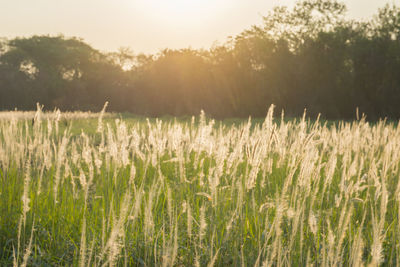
[(179, 7), (174, 12)]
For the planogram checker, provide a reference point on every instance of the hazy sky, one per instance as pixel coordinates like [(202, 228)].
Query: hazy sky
[(146, 25)]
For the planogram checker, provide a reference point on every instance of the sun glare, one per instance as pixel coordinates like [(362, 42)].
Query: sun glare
[(179, 7), (188, 12)]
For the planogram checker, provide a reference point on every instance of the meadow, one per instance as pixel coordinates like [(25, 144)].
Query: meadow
[(99, 189)]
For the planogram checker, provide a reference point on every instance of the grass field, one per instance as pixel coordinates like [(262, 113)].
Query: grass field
[(102, 189)]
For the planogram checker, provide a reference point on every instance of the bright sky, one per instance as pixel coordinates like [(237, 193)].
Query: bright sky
[(146, 25)]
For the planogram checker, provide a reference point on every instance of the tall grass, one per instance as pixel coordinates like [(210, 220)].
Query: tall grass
[(198, 193)]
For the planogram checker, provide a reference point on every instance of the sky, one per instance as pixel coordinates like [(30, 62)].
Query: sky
[(147, 25)]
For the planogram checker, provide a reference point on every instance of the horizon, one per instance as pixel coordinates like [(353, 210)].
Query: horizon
[(206, 22)]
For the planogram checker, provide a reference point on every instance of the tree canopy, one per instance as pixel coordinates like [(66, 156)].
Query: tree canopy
[(311, 56)]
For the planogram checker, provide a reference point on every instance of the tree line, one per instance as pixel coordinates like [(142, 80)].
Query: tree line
[(310, 56)]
